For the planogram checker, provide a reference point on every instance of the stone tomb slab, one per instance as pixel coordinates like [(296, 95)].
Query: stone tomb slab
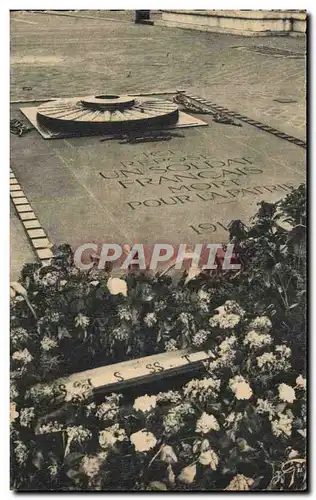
[(186, 190)]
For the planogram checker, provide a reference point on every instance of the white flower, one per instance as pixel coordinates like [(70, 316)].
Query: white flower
[(267, 360), (199, 338), (231, 306), (107, 411), (240, 387), (160, 305), (26, 416), (202, 389), (147, 293), (19, 336), (50, 279), (74, 271), (116, 286), (282, 426), (23, 356), (225, 354), (185, 318), (54, 317), (47, 344), (225, 321), (171, 345), (206, 423), (203, 295), (143, 440), (169, 397), (50, 427), (76, 434), (109, 436), (233, 418), (203, 300), (40, 391), (210, 458), (78, 391), (173, 421), (21, 452), (283, 350), (300, 382), (81, 321), (286, 393), (257, 340), (18, 373), (264, 406), (90, 409), (124, 313), (90, 464), (187, 475), (168, 455), (150, 319), (262, 324), (106, 439), (145, 403), (227, 344), (121, 333)]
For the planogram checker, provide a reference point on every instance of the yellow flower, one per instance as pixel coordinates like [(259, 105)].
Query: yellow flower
[(116, 286), (187, 475), (143, 440), (13, 413), (243, 391), (240, 387), (286, 393), (145, 403), (207, 423)]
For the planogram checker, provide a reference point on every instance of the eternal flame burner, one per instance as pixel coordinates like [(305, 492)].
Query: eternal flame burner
[(106, 113)]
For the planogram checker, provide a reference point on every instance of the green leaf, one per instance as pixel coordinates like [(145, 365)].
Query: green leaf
[(73, 459), (38, 460), (63, 333), (73, 474)]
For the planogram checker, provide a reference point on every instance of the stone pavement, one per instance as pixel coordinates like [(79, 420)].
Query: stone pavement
[(183, 191), (21, 252), (54, 55), (229, 169)]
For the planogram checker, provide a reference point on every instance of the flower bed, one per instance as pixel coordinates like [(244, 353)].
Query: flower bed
[(241, 426)]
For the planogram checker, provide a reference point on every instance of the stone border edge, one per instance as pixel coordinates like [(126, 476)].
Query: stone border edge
[(37, 236)]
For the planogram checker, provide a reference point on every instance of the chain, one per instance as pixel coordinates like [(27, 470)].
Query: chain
[(192, 107), (266, 128)]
